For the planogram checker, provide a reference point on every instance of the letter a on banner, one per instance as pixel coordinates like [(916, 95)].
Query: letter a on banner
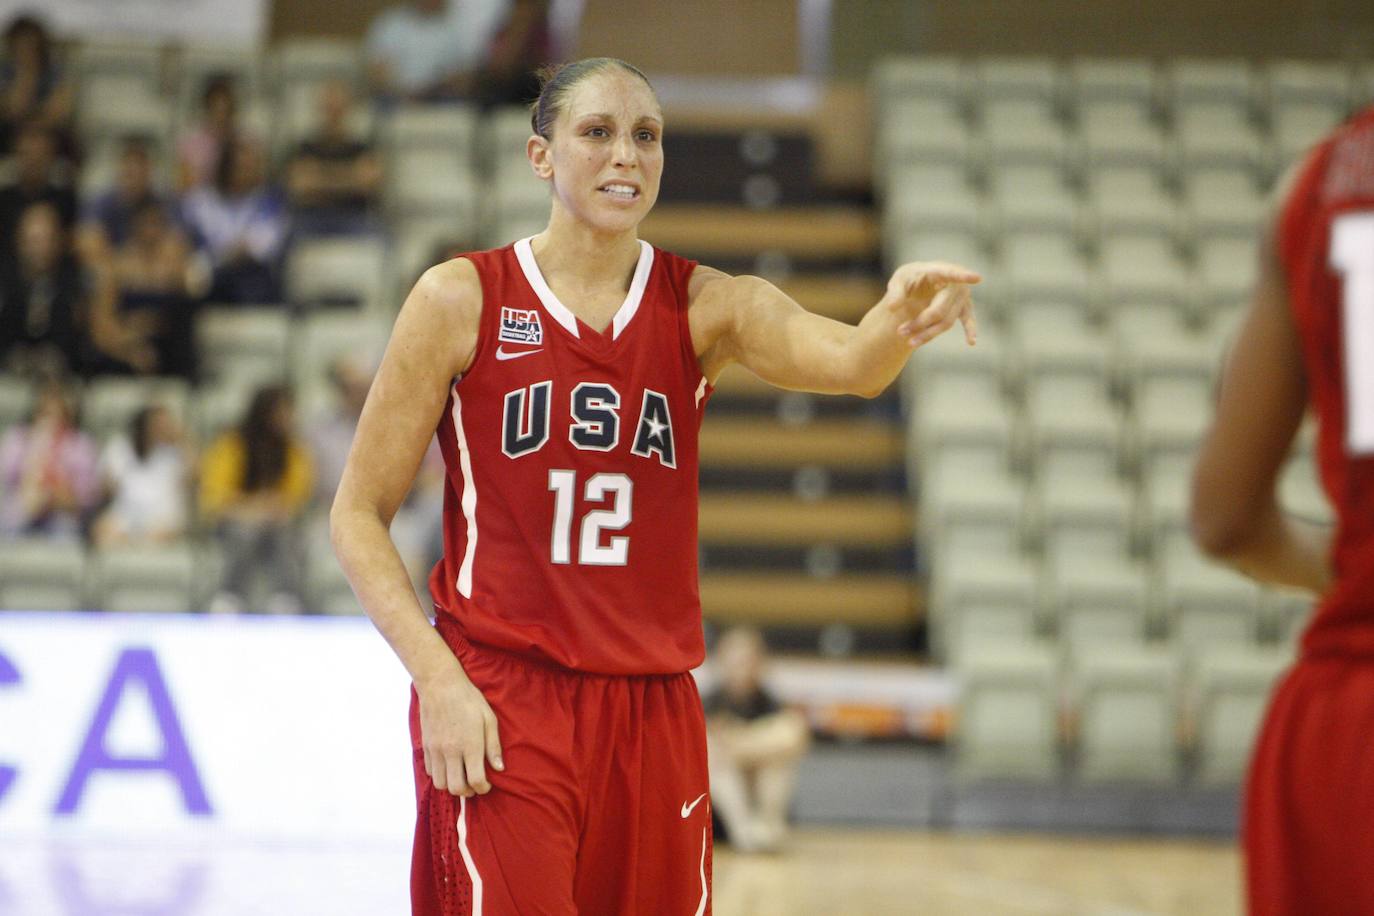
[(136, 665)]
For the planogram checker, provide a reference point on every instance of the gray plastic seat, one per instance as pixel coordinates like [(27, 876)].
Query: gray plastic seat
[(1034, 196), (1127, 702), (1131, 199), (1233, 686), (41, 574), (151, 578), (1008, 713), (244, 343), (337, 271)]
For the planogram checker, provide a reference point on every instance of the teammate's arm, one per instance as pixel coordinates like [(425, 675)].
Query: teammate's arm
[(432, 342), (1235, 512), (750, 321)]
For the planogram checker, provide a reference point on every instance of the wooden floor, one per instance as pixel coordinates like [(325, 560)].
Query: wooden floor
[(874, 873)]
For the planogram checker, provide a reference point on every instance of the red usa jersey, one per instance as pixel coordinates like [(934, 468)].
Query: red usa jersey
[(1326, 242), (570, 506)]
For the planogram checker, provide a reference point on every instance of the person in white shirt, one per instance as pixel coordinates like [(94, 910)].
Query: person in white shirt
[(431, 50), (145, 475)]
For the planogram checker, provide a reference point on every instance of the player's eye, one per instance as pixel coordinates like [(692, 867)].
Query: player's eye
[(597, 132), (647, 136)]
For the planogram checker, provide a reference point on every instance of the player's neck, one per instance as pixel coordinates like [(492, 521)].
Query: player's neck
[(576, 253)]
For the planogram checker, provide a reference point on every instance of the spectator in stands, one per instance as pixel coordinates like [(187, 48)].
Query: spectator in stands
[(430, 50), (48, 472), (155, 286), (523, 45), (255, 483), (753, 746), (32, 87), (331, 434), (110, 216), (335, 178), (37, 179), (199, 149), (145, 473), (240, 223), (418, 525), (42, 299)]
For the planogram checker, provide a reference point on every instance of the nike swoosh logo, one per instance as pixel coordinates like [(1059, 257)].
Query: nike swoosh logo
[(501, 353), (687, 809)]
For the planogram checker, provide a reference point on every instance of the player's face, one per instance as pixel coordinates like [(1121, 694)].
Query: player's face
[(606, 157)]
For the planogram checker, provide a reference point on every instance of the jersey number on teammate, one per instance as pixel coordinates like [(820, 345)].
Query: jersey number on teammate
[(1352, 255)]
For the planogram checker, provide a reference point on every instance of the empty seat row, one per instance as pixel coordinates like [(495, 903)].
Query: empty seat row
[(1128, 715), (46, 575), (1084, 80)]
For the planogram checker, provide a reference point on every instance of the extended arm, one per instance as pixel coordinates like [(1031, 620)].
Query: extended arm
[(750, 321), (1235, 511), (431, 343)]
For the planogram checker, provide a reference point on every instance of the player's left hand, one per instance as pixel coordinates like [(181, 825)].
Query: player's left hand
[(932, 296)]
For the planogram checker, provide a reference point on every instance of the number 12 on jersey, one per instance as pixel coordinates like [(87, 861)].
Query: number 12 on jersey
[(1352, 255), (619, 489)]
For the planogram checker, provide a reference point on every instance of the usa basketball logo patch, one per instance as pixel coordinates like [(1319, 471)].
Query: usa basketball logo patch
[(520, 326)]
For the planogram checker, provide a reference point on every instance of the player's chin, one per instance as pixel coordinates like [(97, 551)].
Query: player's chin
[(619, 218)]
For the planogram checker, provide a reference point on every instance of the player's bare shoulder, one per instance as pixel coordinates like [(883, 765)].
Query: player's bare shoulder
[(443, 312)]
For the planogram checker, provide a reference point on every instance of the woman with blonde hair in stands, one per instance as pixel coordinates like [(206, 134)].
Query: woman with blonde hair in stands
[(566, 376)]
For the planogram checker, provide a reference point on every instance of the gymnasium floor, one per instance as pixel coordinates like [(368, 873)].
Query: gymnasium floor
[(834, 872), (871, 873)]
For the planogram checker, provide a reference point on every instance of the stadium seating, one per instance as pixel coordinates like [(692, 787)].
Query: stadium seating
[(1008, 724), (1232, 690), (42, 575), (1127, 714)]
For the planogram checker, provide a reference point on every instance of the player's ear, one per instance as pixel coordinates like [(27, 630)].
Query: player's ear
[(540, 156)]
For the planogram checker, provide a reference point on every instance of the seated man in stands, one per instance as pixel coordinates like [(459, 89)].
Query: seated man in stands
[(335, 178), (32, 84), (107, 221), (154, 286), (48, 473), (431, 50), (37, 179), (43, 328), (753, 745), (240, 223)]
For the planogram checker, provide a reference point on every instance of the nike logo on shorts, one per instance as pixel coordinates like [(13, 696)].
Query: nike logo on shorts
[(502, 353), (687, 809)]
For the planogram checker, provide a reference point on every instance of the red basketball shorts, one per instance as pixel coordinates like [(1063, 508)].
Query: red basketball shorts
[(603, 806), (1309, 807)]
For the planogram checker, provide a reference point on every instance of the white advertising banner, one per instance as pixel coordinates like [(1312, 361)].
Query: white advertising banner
[(219, 22), (129, 726)]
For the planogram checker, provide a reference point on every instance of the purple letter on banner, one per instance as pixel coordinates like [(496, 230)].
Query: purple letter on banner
[(8, 675), (136, 665)]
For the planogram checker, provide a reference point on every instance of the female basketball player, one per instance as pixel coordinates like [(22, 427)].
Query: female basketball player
[(568, 614), (1308, 338)]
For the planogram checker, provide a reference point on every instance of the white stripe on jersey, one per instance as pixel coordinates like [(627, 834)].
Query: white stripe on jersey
[(469, 497), (637, 286), (473, 874)]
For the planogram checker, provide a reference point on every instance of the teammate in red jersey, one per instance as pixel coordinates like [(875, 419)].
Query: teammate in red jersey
[(1309, 339), (558, 738)]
